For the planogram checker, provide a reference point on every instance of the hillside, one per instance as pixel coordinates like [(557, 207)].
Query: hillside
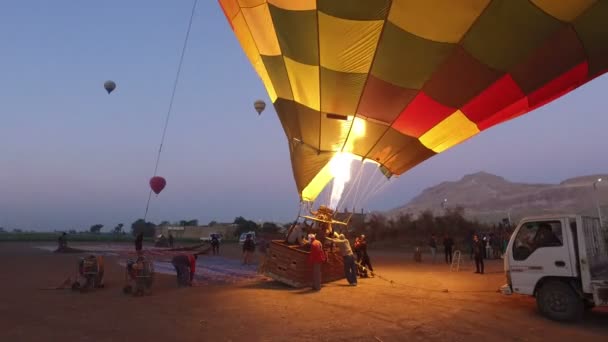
[(489, 198)]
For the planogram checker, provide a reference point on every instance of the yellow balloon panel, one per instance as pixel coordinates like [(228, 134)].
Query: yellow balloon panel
[(262, 30), (241, 30), (439, 20), (566, 10), (295, 5), (453, 130), (304, 80), (347, 45)]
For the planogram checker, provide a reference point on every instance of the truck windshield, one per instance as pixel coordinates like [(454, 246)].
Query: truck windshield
[(535, 235)]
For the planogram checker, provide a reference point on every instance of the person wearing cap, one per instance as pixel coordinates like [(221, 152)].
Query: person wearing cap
[(350, 269), (316, 258)]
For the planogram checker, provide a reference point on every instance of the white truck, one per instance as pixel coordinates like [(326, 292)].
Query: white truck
[(562, 260)]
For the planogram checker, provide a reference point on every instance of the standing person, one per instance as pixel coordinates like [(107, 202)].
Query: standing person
[(357, 249), (478, 249), (448, 244), (316, 258), (364, 256), (185, 266), (248, 249), (62, 241), (139, 240), (433, 245), (350, 269), (170, 240), (215, 244)]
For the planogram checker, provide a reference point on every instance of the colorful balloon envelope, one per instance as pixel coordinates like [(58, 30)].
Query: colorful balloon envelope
[(109, 86), (157, 184), (397, 82)]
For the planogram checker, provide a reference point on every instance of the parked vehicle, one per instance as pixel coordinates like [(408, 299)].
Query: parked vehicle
[(562, 260)]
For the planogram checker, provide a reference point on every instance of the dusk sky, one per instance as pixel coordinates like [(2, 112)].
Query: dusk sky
[(72, 156)]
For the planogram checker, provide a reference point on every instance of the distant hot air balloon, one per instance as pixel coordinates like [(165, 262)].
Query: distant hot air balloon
[(259, 106), (157, 184), (397, 82), (109, 86)]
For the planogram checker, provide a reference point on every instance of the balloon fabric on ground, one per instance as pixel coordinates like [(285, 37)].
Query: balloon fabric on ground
[(397, 82)]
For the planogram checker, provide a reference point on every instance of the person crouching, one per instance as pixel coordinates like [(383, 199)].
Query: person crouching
[(185, 266)]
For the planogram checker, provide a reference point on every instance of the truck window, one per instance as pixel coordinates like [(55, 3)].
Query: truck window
[(535, 235)]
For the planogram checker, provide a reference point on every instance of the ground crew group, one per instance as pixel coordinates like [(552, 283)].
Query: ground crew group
[(318, 257)]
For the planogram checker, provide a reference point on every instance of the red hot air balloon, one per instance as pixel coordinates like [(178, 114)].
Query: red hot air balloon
[(157, 184)]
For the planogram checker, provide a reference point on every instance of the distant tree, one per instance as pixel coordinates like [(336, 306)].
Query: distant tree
[(96, 228), (165, 223), (141, 226), (270, 228), (72, 231), (118, 228), (17, 230), (244, 225), (212, 223), (2, 230)]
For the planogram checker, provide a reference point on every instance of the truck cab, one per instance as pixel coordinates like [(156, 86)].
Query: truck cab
[(562, 260)]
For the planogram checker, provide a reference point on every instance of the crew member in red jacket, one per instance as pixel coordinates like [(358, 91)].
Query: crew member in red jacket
[(185, 266), (316, 258)]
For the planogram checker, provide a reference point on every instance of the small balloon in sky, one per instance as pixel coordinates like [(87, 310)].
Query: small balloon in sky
[(259, 106), (109, 86), (157, 184)]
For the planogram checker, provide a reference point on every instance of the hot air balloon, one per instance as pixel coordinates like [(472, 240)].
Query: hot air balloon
[(259, 106), (399, 81), (109, 86), (157, 184)]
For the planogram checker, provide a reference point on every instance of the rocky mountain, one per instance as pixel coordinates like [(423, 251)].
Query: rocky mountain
[(490, 198)]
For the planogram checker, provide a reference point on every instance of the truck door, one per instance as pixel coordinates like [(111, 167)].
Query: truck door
[(539, 249)]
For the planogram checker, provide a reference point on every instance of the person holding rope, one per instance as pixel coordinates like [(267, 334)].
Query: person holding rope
[(350, 268)]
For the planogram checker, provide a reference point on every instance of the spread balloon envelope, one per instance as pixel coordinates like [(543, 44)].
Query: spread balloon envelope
[(397, 82)]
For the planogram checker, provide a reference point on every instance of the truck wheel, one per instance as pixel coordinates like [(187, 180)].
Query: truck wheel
[(559, 302)]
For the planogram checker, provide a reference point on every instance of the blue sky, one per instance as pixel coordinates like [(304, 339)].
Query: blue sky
[(72, 156)]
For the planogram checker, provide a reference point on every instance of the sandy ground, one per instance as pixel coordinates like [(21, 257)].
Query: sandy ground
[(413, 307)]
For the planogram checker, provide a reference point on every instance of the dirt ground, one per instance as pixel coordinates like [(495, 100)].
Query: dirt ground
[(414, 307)]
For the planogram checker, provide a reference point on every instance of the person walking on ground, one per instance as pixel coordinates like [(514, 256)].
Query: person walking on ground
[(248, 249), (170, 240), (316, 258), (139, 240), (433, 246), (478, 253), (350, 269), (215, 244), (448, 244)]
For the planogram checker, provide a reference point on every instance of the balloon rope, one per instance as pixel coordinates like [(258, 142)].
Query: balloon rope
[(179, 70), (351, 186)]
